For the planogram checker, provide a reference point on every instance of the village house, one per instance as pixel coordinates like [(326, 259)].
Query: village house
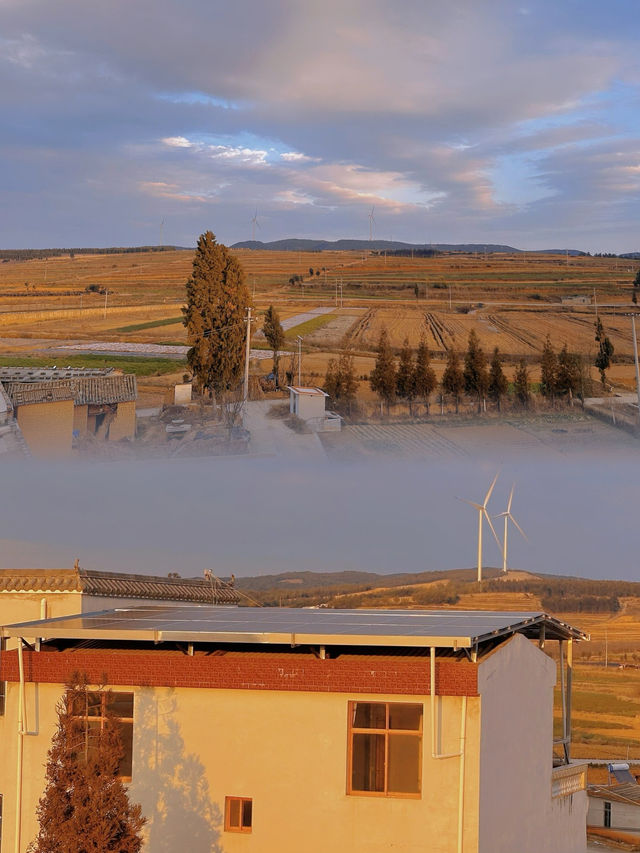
[(274, 729), (51, 405), (615, 807)]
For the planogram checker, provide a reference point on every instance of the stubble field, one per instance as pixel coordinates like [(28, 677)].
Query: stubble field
[(511, 301)]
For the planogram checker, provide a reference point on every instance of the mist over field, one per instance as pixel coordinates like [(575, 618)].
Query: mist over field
[(258, 516)]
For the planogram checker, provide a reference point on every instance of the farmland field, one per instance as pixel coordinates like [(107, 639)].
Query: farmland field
[(511, 301)]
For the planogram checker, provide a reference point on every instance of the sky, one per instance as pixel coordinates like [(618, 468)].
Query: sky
[(129, 123), (260, 516)]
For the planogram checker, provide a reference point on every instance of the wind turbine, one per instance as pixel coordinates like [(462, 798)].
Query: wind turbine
[(482, 514), (507, 517), (372, 223), (254, 224)]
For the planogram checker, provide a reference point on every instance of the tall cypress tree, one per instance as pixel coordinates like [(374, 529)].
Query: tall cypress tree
[(568, 376), (383, 375), (424, 379), (476, 376), (498, 383), (605, 351), (217, 299), (521, 384), (274, 334), (85, 806), (548, 370), (404, 377), (453, 378)]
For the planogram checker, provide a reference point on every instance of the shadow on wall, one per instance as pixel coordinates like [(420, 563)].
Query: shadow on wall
[(171, 785)]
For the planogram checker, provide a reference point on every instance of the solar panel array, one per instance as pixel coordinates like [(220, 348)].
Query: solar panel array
[(255, 624)]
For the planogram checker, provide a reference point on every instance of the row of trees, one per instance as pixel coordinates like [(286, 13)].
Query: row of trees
[(415, 379)]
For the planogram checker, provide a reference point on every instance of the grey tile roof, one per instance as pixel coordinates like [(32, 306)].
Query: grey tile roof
[(83, 390), (115, 585), (46, 374)]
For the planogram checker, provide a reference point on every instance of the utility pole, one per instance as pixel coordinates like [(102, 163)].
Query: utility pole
[(341, 293), (336, 293), (595, 301), (635, 359), (106, 294), (299, 339), (449, 297), (247, 352)]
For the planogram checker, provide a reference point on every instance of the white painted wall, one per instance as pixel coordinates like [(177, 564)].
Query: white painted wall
[(624, 816), (517, 812)]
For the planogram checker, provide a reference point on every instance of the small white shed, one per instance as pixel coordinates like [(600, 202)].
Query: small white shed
[(306, 403)]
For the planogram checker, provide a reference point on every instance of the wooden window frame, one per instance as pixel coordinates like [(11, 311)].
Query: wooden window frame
[(102, 717), (386, 731), (227, 814)]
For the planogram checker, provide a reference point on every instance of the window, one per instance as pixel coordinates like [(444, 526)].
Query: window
[(607, 815), (93, 715), (3, 696), (385, 749), (238, 813)]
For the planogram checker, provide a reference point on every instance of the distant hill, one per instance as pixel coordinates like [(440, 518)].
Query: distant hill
[(295, 244), (517, 590), (631, 256)]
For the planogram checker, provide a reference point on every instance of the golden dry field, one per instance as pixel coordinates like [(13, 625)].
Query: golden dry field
[(511, 301)]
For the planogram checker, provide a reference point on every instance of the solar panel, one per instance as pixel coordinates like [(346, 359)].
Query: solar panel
[(189, 622)]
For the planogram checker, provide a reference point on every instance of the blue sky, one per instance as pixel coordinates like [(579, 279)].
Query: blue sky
[(497, 121)]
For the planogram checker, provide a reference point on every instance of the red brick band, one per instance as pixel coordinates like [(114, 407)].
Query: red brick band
[(250, 671)]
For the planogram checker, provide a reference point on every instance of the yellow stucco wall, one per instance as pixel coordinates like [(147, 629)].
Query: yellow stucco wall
[(80, 419), (124, 424), (47, 427), (285, 750)]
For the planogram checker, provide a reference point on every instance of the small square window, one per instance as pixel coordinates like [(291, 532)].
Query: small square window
[(238, 814)]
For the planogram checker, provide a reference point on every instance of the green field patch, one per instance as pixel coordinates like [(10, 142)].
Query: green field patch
[(309, 326), (588, 725), (128, 364), (603, 703), (152, 324)]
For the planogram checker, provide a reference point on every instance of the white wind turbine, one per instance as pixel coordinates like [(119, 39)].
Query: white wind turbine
[(508, 517), (254, 224), (482, 514)]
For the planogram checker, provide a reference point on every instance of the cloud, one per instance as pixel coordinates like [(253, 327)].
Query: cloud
[(466, 120)]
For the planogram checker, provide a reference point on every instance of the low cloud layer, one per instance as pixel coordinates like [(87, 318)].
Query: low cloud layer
[(254, 517), (460, 122)]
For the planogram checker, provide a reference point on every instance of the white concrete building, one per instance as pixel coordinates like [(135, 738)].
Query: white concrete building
[(310, 730), (308, 404)]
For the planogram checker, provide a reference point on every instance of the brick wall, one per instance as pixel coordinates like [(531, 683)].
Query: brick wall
[(248, 671)]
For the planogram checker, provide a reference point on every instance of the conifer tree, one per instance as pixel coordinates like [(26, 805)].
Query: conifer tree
[(548, 370), (424, 379), (453, 378), (568, 375), (404, 378), (476, 376), (383, 375), (340, 382), (605, 351), (217, 299), (85, 806), (521, 384), (498, 382), (274, 335)]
